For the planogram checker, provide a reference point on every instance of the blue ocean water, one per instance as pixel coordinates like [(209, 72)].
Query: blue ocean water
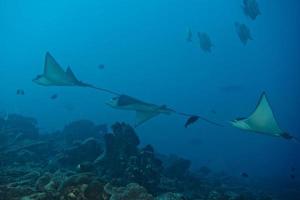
[(143, 46)]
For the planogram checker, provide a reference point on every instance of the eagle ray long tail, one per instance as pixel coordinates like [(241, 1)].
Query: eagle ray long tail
[(98, 88), (104, 90)]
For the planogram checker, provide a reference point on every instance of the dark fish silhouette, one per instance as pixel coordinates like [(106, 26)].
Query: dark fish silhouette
[(20, 92), (293, 169), (101, 66), (54, 96), (243, 32), (251, 8), (191, 120), (292, 176), (85, 167), (205, 42), (245, 175), (189, 37)]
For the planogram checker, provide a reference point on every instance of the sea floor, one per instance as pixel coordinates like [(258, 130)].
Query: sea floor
[(86, 161)]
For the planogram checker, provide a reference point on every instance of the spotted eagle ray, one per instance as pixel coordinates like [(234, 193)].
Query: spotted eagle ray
[(146, 111), (54, 75), (262, 120)]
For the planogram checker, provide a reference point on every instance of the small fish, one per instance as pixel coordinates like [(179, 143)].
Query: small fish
[(85, 167), (293, 169), (292, 176), (191, 120), (245, 175), (205, 42), (54, 96), (251, 8), (101, 66), (20, 92), (243, 32), (189, 37), (213, 111)]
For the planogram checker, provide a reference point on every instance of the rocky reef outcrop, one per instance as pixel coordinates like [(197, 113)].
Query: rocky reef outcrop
[(124, 162)]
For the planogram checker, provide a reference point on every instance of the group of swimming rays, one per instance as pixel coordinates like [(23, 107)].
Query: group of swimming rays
[(262, 120)]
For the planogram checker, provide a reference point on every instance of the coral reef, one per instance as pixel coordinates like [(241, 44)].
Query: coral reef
[(85, 162)]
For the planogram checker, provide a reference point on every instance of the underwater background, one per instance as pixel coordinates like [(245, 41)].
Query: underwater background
[(143, 51)]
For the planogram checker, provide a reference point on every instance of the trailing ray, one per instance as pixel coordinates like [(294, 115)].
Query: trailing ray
[(146, 111), (54, 75), (262, 120)]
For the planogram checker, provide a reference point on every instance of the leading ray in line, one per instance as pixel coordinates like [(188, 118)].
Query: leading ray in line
[(54, 75), (262, 121), (146, 111)]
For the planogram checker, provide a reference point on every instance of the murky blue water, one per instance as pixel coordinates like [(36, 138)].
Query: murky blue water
[(142, 50)]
